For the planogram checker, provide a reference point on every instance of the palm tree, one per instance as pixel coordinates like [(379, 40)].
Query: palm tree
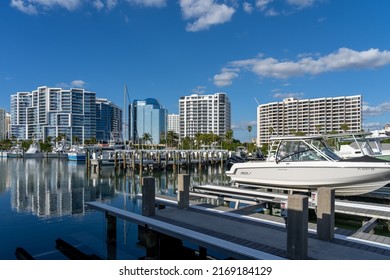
[(172, 137), (75, 139), (229, 136), (147, 137), (249, 130)]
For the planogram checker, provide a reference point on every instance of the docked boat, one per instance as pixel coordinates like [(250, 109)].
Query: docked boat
[(359, 144), (34, 151), (307, 163), (77, 153), (16, 151), (58, 151)]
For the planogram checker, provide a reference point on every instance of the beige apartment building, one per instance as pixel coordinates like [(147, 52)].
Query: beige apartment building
[(309, 116)]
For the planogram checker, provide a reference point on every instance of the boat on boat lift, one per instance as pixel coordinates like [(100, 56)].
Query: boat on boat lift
[(306, 163)]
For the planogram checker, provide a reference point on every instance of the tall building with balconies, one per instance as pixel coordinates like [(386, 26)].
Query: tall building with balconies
[(108, 120), (204, 114), (309, 116), (146, 117), (3, 124), (173, 123), (51, 112)]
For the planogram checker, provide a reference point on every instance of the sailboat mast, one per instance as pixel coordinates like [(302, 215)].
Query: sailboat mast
[(124, 121)]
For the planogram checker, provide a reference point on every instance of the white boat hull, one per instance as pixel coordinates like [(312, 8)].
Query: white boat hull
[(352, 178)]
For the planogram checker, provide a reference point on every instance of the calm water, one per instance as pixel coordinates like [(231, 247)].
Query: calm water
[(42, 200)]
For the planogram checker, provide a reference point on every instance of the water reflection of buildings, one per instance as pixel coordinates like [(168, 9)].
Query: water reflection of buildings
[(51, 187), (57, 187)]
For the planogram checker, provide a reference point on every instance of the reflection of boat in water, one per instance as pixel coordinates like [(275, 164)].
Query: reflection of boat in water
[(307, 163), (77, 153), (3, 154)]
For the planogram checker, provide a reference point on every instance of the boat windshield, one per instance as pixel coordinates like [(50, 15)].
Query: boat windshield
[(305, 150)]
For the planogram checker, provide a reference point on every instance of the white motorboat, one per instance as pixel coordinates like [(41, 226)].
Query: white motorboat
[(307, 163), (359, 144), (77, 153), (16, 151)]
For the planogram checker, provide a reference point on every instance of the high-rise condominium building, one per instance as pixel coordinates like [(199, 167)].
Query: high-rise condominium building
[(108, 120), (3, 124), (146, 117), (204, 114), (309, 116), (53, 112), (174, 123)]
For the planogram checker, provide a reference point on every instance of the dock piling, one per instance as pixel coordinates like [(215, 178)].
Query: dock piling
[(325, 214), (111, 236), (148, 196), (183, 192), (297, 227)]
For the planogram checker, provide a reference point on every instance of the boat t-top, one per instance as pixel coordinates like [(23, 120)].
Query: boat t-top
[(306, 163)]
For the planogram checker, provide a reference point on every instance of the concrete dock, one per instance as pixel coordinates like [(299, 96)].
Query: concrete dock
[(244, 233)]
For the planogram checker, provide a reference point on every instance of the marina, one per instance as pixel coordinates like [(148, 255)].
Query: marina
[(61, 199)]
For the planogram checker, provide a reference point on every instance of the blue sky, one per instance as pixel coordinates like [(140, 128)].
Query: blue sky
[(255, 51)]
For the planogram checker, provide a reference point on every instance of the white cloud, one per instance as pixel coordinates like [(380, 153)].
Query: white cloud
[(287, 95), (372, 125), (225, 78), (78, 83), (205, 13), (73, 84), (111, 4), (98, 4), (248, 8), (148, 3), (263, 4), (268, 8), (301, 3), (342, 59), (376, 110), (24, 7), (199, 90), (34, 7)]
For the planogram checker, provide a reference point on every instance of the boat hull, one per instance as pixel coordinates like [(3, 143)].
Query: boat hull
[(77, 156), (14, 155), (347, 179), (33, 155)]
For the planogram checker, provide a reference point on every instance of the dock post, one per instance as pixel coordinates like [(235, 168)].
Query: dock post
[(147, 236), (111, 236), (183, 194), (133, 160), (124, 160), (88, 160), (325, 213), (141, 161), (297, 227), (174, 161), (148, 196), (115, 160)]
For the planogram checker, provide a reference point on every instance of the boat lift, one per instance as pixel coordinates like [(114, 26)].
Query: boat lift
[(250, 196)]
